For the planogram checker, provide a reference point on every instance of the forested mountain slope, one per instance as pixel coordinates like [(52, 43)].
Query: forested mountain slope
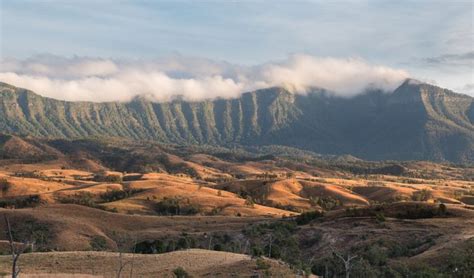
[(416, 121)]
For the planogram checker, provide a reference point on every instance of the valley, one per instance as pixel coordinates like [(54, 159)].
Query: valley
[(293, 208), (256, 139)]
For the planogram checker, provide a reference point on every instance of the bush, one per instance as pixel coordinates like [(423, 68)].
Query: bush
[(161, 246), (262, 264), (460, 260), (249, 202), (417, 212), (307, 217), (376, 255), (21, 202), (150, 247), (421, 195), (329, 265), (180, 273), (98, 243), (115, 194), (81, 198), (108, 178), (380, 217), (442, 209), (4, 185), (31, 230), (183, 243), (326, 202), (257, 251), (174, 206)]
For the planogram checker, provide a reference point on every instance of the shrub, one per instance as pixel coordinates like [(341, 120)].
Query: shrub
[(376, 255), (32, 231), (460, 260), (311, 241), (98, 243), (380, 217), (417, 212), (257, 251), (287, 207), (442, 209), (21, 202), (180, 273), (4, 185), (183, 243), (262, 264), (249, 202), (174, 206), (326, 202), (421, 195), (150, 247), (307, 217), (108, 178), (81, 198), (329, 265), (115, 194)]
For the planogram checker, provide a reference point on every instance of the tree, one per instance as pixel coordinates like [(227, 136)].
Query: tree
[(270, 242), (15, 250), (122, 241), (347, 261), (422, 195), (180, 273), (4, 185), (442, 209), (249, 202), (210, 242)]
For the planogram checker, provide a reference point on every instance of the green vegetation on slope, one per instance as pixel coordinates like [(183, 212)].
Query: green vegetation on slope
[(416, 121)]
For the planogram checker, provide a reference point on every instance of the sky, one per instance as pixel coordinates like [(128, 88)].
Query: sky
[(82, 50)]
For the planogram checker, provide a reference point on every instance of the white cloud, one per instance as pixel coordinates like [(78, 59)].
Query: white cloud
[(346, 77), (94, 79)]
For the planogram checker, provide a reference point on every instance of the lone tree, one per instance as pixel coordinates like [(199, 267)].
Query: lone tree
[(15, 249), (347, 261), (4, 185), (122, 241)]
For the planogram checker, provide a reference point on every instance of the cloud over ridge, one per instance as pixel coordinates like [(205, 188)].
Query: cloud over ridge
[(101, 80)]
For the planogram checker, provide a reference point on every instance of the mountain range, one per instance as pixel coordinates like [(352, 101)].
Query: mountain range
[(417, 121)]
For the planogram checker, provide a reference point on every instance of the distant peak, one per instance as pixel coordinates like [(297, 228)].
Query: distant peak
[(3, 84), (411, 81)]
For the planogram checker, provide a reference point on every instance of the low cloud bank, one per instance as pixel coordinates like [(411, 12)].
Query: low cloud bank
[(100, 80)]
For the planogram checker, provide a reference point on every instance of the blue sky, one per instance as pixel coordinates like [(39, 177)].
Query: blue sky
[(432, 40)]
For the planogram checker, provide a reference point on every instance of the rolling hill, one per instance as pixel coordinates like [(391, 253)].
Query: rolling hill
[(415, 122), (75, 199)]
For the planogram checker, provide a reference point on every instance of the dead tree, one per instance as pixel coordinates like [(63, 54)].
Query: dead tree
[(121, 242), (246, 246), (123, 264), (270, 243), (210, 242), (347, 261), (15, 250), (133, 256)]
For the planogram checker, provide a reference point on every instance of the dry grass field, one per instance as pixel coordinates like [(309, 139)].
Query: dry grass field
[(214, 214), (196, 262)]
